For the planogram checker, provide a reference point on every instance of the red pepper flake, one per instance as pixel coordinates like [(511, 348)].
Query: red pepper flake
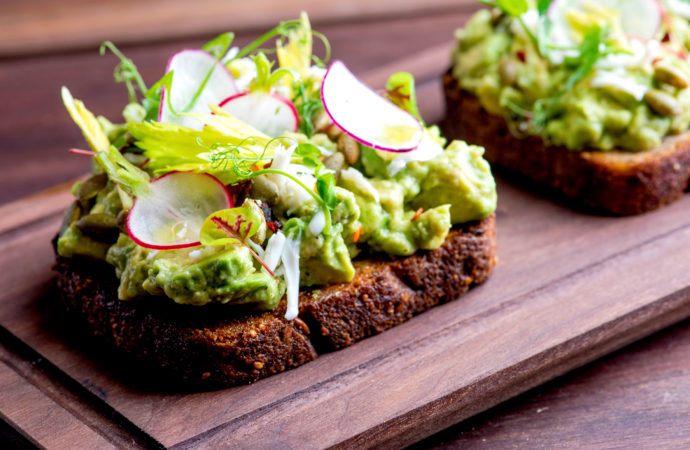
[(417, 214), (655, 61), (272, 226), (521, 55), (357, 235)]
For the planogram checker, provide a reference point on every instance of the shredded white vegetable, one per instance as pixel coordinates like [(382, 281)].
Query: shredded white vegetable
[(274, 250), (292, 196), (679, 7), (317, 223), (620, 82), (355, 177), (641, 54), (290, 258), (426, 150)]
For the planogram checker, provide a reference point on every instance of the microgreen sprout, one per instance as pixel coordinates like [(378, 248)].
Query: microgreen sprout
[(306, 105), (245, 164), (126, 72), (265, 78), (232, 227)]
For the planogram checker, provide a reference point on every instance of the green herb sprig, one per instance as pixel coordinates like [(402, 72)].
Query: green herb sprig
[(243, 163)]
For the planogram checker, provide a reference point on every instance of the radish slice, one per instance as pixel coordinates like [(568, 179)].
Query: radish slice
[(191, 67), (642, 18), (172, 214), (269, 113), (366, 116)]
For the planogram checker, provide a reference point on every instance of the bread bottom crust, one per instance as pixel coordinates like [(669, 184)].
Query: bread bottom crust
[(213, 346), (616, 182)]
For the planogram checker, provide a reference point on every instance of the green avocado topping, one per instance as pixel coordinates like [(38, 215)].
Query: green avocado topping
[(318, 190), (575, 76)]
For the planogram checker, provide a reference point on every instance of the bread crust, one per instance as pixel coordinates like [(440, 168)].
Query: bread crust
[(214, 346), (617, 182)]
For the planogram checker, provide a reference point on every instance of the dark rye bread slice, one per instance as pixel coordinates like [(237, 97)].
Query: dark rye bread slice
[(617, 182), (203, 346)]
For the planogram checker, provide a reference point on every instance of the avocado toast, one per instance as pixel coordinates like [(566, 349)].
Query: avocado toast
[(247, 217), (580, 96)]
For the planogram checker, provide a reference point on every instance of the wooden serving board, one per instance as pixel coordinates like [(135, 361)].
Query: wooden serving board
[(569, 287)]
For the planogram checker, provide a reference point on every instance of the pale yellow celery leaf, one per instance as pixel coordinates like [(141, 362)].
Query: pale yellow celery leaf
[(296, 54), (86, 121), (591, 14)]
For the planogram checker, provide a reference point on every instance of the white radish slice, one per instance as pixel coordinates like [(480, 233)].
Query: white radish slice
[(171, 215), (640, 18), (269, 113), (679, 8), (191, 67), (366, 116)]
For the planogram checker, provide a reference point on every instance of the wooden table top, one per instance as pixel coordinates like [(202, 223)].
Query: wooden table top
[(638, 396)]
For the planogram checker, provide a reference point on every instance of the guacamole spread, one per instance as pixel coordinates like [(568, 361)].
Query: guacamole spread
[(577, 76), (315, 198)]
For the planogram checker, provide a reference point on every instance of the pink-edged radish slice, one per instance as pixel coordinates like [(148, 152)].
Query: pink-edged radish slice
[(641, 18), (191, 67), (366, 116), (269, 113), (172, 214)]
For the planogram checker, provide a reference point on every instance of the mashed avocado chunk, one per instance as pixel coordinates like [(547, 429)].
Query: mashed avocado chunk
[(633, 95), (195, 276)]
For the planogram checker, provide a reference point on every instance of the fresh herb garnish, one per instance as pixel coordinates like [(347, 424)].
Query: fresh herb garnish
[(310, 154), (306, 105), (126, 175), (126, 72), (400, 90), (245, 163), (516, 8), (265, 78), (593, 47), (325, 186), (233, 226), (219, 45)]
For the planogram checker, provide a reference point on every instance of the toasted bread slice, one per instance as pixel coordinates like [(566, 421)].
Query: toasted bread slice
[(617, 182), (217, 346)]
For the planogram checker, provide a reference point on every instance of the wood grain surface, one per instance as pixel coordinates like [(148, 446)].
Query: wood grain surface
[(42, 26), (635, 398), (566, 291), (569, 288)]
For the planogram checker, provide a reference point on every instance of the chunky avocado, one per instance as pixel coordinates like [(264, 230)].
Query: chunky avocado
[(398, 215), (630, 98), (194, 276), (313, 199)]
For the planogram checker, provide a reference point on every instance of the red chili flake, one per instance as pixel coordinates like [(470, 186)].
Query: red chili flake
[(655, 61), (417, 214), (666, 38), (272, 226), (357, 235), (521, 55)]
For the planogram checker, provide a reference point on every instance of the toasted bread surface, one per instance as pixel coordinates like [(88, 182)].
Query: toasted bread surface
[(618, 182), (219, 346)]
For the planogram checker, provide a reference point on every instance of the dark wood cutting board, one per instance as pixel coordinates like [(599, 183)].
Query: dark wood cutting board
[(569, 287)]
